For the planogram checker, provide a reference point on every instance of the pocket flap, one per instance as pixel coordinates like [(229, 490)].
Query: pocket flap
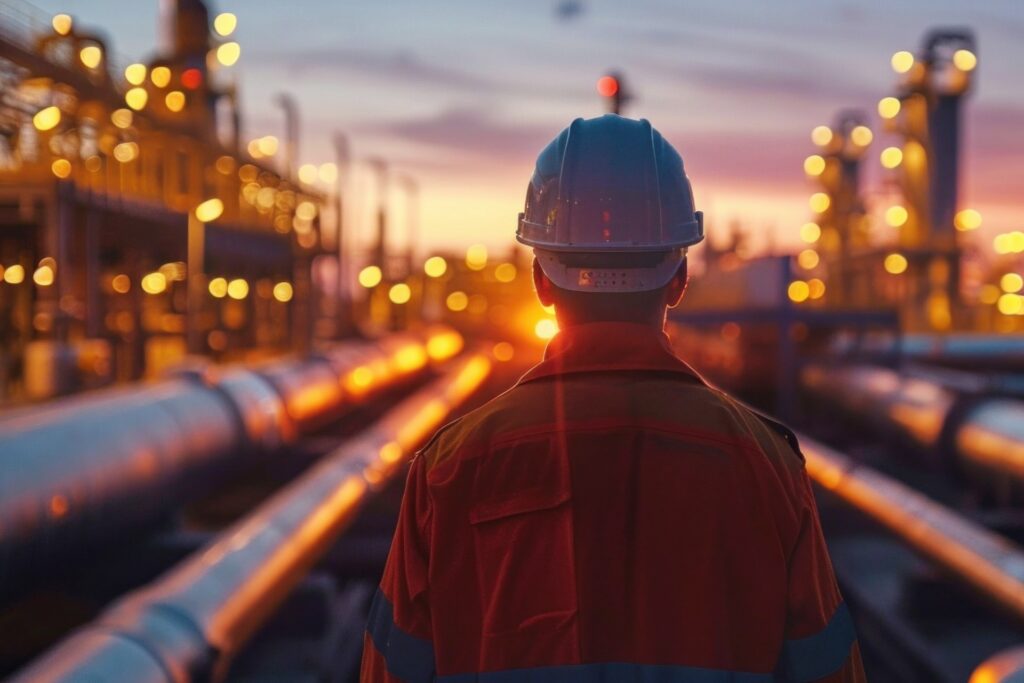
[(523, 477)]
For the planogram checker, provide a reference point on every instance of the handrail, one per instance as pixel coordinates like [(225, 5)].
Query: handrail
[(189, 623)]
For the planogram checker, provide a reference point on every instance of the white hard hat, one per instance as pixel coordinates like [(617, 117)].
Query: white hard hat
[(605, 186)]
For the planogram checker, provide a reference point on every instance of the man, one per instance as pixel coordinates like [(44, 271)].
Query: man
[(611, 517)]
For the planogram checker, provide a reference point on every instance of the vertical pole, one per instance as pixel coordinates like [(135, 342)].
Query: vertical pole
[(380, 254), (341, 157), (786, 392), (196, 284), (62, 254), (291, 123), (93, 304)]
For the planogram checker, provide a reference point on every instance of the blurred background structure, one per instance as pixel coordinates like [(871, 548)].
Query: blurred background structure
[(202, 312)]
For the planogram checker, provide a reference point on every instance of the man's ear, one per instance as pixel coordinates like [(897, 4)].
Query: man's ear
[(542, 284), (677, 286)]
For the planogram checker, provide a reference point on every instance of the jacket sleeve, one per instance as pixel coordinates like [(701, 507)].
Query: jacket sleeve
[(820, 644), (398, 645)]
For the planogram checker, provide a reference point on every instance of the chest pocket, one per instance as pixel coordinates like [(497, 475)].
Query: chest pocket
[(522, 526)]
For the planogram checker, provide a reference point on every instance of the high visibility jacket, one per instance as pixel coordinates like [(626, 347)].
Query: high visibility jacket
[(610, 517)]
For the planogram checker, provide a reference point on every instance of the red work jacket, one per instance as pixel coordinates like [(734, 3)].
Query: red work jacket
[(611, 517)]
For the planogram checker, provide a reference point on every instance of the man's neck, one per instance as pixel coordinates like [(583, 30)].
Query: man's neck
[(567, 319)]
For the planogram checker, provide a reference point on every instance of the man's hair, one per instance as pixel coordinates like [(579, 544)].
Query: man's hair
[(638, 307)]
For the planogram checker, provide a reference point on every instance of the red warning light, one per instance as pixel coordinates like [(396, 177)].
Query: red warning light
[(607, 86), (192, 78)]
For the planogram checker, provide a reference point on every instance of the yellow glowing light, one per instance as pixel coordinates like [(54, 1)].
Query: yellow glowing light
[(174, 270), (821, 136), (457, 301), (902, 62), (328, 173), (546, 328), (820, 202), (218, 287), (895, 264), (1016, 241), (965, 60), (135, 73), (1011, 304), (43, 276), (136, 98), (989, 294), (810, 232), (476, 257), (400, 293), (409, 358), (506, 272), (228, 53), (1001, 243), (154, 283), (14, 275), (121, 283), (861, 136), (265, 200), (210, 210), (308, 173), (126, 151), (967, 219), (267, 145), (891, 157), (889, 107), (283, 292), (370, 276), (238, 289), (435, 266), (61, 168), (225, 23), (815, 288), (122, 118), (896, 215), (91, 56), (306, 211), (175, 100), (225, 164), (814, 165), (160, 76), (808, 258), (46, 118), (62, 24), (444, 345), (1011, 282), (503, 351), (798, 291)]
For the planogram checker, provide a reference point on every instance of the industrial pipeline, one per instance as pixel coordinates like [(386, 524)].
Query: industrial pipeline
[(89, 469), (967, 351), (984, 560), (188, 624), (982, 434)]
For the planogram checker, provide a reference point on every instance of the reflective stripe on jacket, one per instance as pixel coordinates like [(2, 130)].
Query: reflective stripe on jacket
[(610, 517)]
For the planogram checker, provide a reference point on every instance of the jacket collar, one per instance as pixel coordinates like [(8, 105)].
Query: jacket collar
[(609, 346)]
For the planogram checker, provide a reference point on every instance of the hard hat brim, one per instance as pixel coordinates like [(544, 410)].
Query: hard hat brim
[(608, 280)]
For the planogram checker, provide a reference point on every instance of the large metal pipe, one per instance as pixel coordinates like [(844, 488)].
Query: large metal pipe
[(189, 623), (969, 350), (991, 435), (83, 471), (986, 561), (983, 434)]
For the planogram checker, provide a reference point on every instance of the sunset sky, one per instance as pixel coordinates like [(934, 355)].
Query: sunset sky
[(462, 95)]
